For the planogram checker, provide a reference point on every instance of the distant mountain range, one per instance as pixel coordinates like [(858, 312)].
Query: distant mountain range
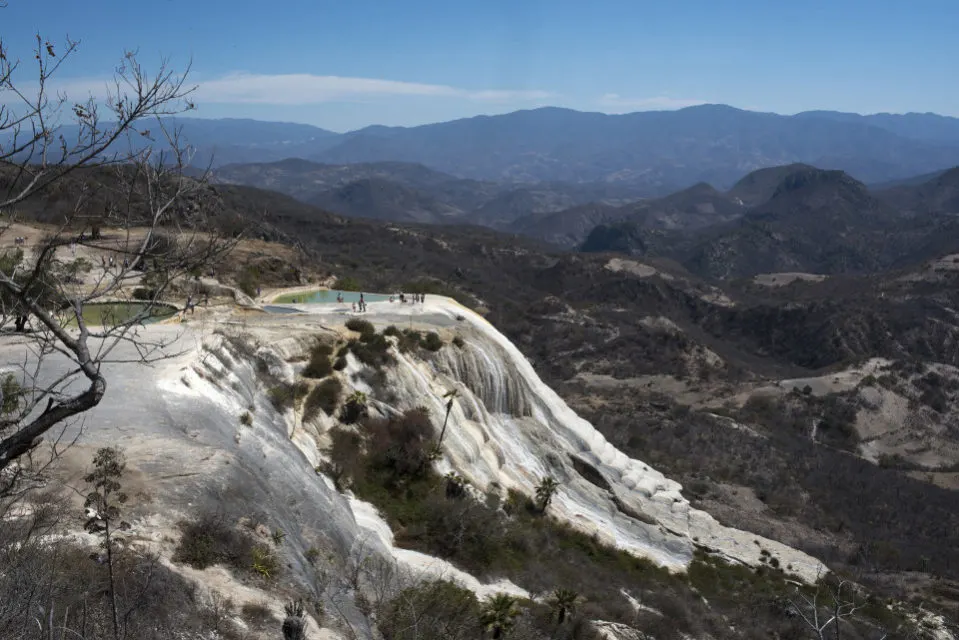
[(651, 152)]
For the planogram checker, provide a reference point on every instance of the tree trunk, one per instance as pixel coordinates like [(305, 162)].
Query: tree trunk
[(449, 407), (113, 591)]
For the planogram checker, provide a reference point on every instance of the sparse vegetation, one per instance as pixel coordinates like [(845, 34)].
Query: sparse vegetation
[(257, 614), (347, 283), (319, 365), (360, 326), (294, 624), (354, 409), (211, 539), (432, 341), (324, 397), (264, 562), (545, 491), (284, 395)]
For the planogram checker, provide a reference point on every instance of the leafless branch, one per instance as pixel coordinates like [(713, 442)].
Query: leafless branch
[(152, 228)]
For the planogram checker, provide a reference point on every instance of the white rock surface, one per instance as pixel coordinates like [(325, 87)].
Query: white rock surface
[(508, 428), (179, 425)]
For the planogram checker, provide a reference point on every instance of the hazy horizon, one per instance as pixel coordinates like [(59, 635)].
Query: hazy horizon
[(345, 66), (198, 116)]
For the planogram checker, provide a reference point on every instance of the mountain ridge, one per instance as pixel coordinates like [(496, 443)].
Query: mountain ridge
[(816, 221)]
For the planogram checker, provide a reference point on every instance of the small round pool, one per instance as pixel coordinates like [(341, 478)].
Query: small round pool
[(325, 296), (115, 313)]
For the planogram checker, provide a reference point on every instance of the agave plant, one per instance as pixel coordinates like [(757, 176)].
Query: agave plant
[(563, 602), (545, 491)]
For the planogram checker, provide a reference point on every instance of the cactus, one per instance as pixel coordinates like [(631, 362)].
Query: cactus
[(294, 625)]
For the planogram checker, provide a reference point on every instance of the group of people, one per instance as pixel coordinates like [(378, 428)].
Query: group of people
[(19, 241), (360, 306), (413, 298), (357, 306)]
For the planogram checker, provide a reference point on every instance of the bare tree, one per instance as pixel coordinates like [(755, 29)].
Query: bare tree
[(829, 611), (121, 168)]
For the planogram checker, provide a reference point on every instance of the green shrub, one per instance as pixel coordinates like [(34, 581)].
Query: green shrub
[(410, 340), (283, 395), (391, 331), (325, 396), (432, 342), (144, 293), (319, 365), (355, 409), (211, 540), (264, 562), (458, 342), (439, 609), (248, 280), (340, 363), (360, 326), (246, 419), (400, 447), (12, 393), (373, 350)]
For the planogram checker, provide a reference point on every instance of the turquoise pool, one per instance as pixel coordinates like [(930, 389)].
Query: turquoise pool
[(324, 296)]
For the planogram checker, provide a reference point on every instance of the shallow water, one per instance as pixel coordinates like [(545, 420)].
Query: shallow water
[(114, 313)]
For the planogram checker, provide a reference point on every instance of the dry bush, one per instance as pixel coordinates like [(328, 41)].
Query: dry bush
[(324, 396), (51, 588), (211, 540), (319, 365), (258, 614)]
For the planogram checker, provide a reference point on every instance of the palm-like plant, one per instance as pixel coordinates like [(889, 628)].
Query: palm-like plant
[(450, 396), (545, 491), (563, 603), (498, 614)]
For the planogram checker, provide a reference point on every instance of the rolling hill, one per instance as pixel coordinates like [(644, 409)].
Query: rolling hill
[(817, 221)]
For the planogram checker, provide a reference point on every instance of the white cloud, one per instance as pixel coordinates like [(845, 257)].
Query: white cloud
[(509, 96), (303, 89), (614, 101), (297, 89)]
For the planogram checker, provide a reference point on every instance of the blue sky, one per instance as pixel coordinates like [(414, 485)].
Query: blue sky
[(346, 64)]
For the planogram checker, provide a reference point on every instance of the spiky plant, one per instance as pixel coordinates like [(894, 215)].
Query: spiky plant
[(545, 491), (563, 602), (294, 625)]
